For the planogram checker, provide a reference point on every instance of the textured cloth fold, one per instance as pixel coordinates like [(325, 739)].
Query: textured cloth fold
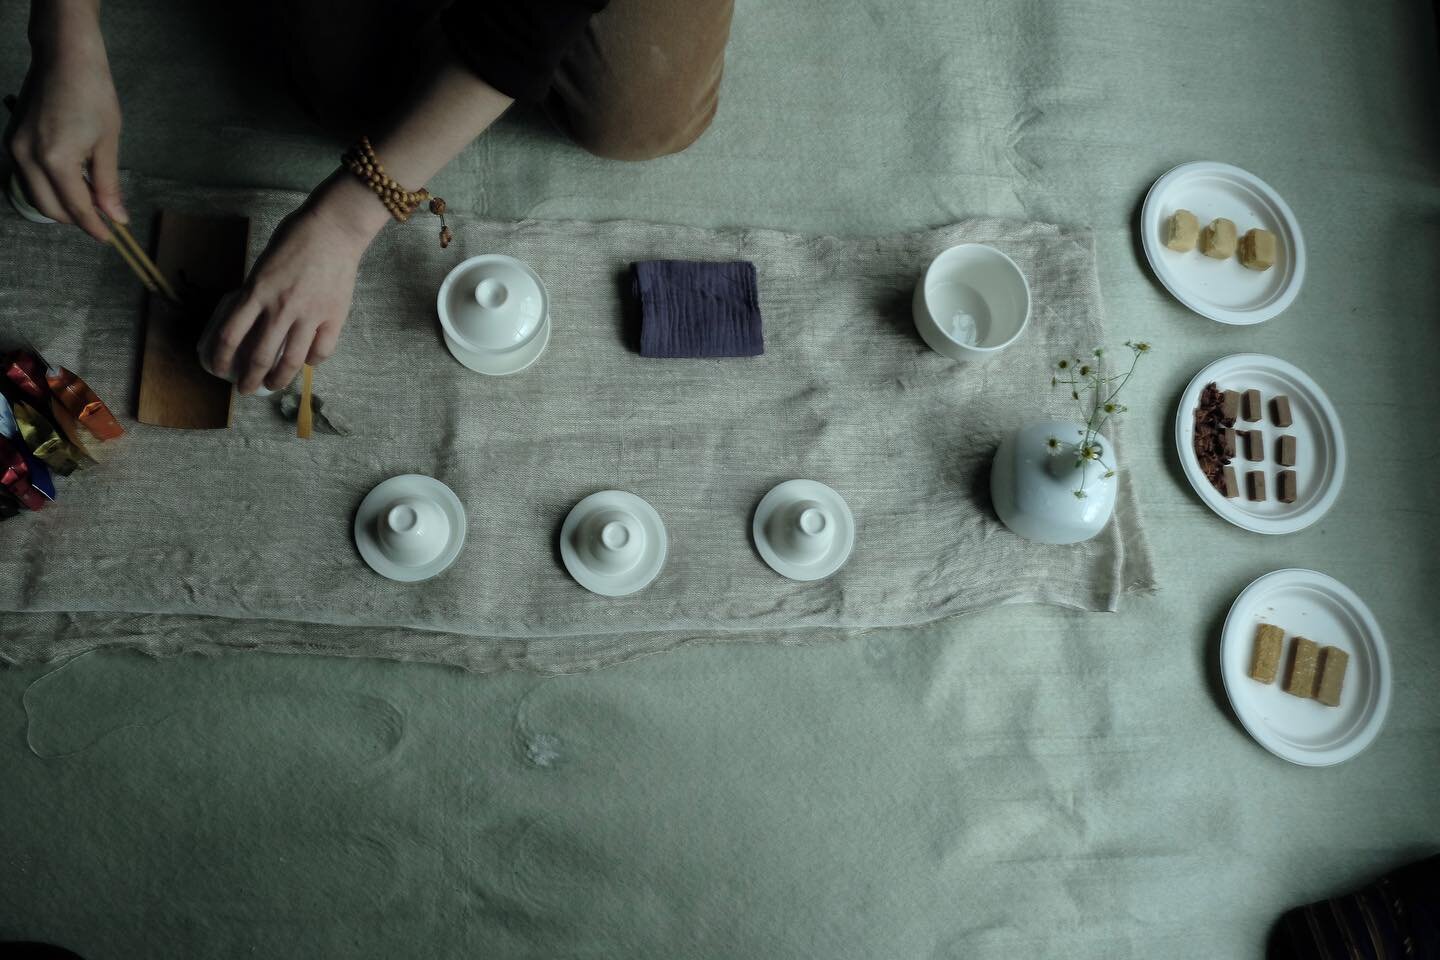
[(252, 524), (697, 309)]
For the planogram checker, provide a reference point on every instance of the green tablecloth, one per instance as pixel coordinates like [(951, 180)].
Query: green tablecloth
[(1023, 782)]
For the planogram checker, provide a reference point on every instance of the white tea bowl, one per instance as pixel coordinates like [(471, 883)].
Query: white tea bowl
[(971, 302)]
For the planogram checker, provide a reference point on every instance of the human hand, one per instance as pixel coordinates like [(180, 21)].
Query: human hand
[(67, 119), (297, 297)]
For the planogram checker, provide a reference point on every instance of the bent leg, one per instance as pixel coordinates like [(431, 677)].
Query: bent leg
[(644, 79)]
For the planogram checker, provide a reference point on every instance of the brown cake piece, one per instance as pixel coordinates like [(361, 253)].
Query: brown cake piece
[(1254, 446), (1333, 662), (1300, 674), (1228, 484), (1265, 662), (1255, 479), (1230, 405), (1285, 451), (1252, 406), (1280, 411), (1227, 441), (1286, 481)]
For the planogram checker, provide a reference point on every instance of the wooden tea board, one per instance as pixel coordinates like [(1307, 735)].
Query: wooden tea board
[(204, 258)]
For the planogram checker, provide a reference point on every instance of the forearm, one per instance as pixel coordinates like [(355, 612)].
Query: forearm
[(451, 108)]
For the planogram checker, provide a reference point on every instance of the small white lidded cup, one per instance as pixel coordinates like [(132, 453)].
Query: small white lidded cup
[(410, 528), (971, 302), (804, 530), (412, 531), (613, 543), (495, 314)]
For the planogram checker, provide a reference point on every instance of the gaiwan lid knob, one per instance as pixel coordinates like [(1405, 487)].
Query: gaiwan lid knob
[(492, 303)]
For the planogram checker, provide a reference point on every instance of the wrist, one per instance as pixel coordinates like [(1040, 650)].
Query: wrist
[(349, 206), (61, 27)]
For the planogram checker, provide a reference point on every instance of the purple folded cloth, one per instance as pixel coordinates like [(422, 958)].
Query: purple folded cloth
[(693, 309)]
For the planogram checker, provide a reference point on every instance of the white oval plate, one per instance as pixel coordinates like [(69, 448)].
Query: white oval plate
[(1223, 290), (1319, 444), (1312, 605)]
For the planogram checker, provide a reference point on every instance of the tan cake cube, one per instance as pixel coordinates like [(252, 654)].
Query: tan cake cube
[(1257, 249), (1182, 230), (1333, 662), (1218, 239), (1269, 639), (1304, 659)]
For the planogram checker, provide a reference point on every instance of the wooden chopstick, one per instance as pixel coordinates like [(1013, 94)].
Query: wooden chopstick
[(139, 270), (137, 255), (305, 416)]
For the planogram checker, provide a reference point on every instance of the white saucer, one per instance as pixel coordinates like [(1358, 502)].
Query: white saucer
[(408, 485), (786, 494), (505, 363), (1319, 440), (1223, 290), (651, 555), (1319, 608)]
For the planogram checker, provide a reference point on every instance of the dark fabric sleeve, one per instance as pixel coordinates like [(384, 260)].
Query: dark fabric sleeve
[(515, 45)]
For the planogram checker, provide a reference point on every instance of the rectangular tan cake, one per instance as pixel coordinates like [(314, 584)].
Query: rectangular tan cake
[(1257, 249), (1300, 677), (1255, 479), (1285, 451), (1254, 446), (1280, 411), (1333, 662), (1232, 486), (1218, 239), (1287, 483), (1269, 640), (1182, 230), (1252, 405)]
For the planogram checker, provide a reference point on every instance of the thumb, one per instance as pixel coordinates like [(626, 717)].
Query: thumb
[(105, 179)]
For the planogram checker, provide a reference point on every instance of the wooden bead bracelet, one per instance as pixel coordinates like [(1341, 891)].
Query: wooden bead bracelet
[(362, 161)]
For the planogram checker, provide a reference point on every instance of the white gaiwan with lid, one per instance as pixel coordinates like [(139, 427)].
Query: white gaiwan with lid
[(495, 314), (410, 528), (804, 530), (613, 543)]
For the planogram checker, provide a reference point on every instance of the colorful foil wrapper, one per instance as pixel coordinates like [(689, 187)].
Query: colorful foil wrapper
[(76, 397), (26, 373), (20, 479), (44, 441)]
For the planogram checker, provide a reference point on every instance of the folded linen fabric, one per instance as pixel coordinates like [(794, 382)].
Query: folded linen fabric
[(694, 308), (250, 525)]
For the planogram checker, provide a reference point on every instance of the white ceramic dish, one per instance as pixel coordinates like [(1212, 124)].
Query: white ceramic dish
[(411, 548), (804, 530), (1223, 290), (22, 203), (1319, 608), (971, 302), (1320, 444), (613, 543), (495, 314)]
